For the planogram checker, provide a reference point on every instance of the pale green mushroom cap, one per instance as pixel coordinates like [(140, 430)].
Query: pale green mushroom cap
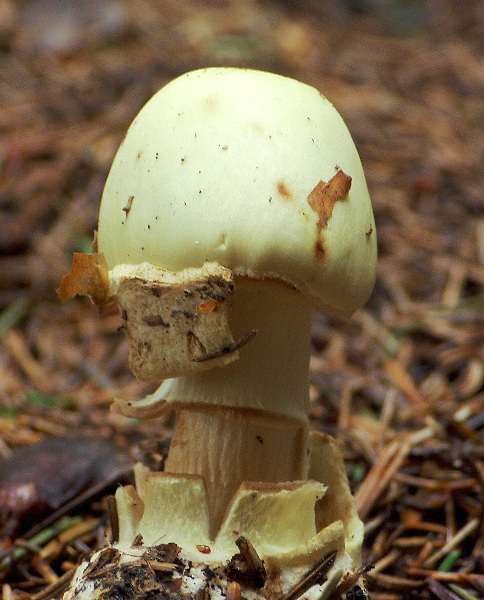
[(224, 165)]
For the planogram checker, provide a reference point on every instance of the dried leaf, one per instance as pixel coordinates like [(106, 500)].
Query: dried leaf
[(325, 195), (246, 567), (87, 277), (44, 476)]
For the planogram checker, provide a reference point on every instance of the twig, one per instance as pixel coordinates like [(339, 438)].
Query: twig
[(389, 461), (52, 549), (441, 576), (113, 518), (315, 576), (55, 588), (385, 562), (40, 539), (459, 536)]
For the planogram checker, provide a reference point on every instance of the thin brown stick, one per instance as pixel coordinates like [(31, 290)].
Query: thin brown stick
[(316, 575), (457, 539), (55, 588), (389, 461)]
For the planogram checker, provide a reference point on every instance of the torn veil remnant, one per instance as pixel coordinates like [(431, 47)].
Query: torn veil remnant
[(231, 242), (170, 333)]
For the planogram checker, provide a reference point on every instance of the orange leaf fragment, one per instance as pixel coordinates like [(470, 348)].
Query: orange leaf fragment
[(207, 307), (325, 195), (88, 277)]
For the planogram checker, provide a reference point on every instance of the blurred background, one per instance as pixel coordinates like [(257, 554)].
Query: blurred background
[(400, 384)]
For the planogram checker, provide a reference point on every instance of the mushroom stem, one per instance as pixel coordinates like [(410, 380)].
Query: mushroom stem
[(248, 421), (229, 446)]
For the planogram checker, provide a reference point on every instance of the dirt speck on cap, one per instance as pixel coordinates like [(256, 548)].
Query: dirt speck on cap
[(128, 206), (284, 191)]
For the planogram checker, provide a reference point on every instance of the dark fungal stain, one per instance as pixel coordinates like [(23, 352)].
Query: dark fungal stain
[(210, 295), (218, 281), (157, 291), (155, 321), (185, 313), (319, 249), (144, 346)]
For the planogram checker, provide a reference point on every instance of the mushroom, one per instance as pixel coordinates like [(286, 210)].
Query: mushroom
[(236, 204)]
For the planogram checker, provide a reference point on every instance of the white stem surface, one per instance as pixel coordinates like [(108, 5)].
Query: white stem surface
[(272, 373), (248, 421)]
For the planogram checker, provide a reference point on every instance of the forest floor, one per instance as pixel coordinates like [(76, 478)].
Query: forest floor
[(400, 384)]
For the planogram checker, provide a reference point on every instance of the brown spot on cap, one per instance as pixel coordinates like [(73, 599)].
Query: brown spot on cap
[(284, 190), (325, 195), (256, 127)]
